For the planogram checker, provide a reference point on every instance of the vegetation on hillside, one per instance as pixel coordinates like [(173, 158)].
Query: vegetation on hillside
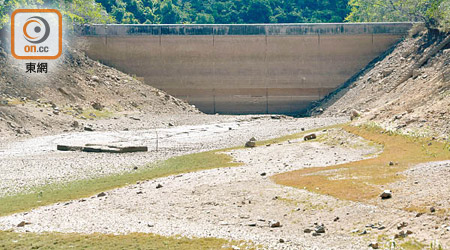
[(434, 13), (226, 11), (74, 11)]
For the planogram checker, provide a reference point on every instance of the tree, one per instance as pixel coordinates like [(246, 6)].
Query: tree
[(75, 11), (433, 13)]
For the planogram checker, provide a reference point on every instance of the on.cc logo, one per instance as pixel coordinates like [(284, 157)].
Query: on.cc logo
[(36, 34)]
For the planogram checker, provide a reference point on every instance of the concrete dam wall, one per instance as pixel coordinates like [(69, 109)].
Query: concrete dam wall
[(243, 69)]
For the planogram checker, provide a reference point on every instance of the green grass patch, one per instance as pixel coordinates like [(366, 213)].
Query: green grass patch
[(12, 240), (362, 180), (96, 114), (77, 189)]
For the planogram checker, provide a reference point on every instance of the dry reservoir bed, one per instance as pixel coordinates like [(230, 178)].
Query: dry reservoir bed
[(243, 203)]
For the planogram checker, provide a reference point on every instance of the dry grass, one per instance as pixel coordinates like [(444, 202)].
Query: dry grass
[(84, 188), (361, 180), (12, 240)]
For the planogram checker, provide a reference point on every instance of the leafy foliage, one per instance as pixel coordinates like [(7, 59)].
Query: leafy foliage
[(434, 13), (226, 11), (79, 11)]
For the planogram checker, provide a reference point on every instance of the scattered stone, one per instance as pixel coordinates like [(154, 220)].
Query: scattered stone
[(374, 245), (263, 174), (75, 124), (251, 143), (273, 224), (135, 168), (387, 194), (391, 163), (401, 234), (159, 186), (307, 230), (354, 114), (315, 234), (171, 124), (150, 225), (251, 224), (336, 219), (364, 232), (432, 209), (97, 106), (23, 223), (95, 78), (320, 229), (88, 128), (281, 240), (310, 137), (102, 194)]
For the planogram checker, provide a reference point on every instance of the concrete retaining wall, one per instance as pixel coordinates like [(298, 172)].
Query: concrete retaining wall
[(236, 69)]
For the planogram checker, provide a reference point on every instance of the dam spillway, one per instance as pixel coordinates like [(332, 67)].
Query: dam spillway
[(243, 69)]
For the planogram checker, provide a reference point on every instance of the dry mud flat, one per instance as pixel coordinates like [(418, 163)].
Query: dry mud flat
[(34, 162)]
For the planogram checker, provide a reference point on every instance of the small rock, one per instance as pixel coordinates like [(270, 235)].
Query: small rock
[(401, 234), (171, 124), (22, 224), (432, 209), (310, 137), (320, 229), (95, 78), (159, 186), (354, 114), (315, 234), (250, 144), (391, 163), (88, 128), (307, 230), (101, 194), (251, 224), (387, 194), (336, 219), (263, 174), (374, 245), (273, 224), (75, 124), (97, 106), (281, 240)]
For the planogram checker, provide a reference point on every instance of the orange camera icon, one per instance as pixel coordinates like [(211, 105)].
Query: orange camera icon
[(36, 34)]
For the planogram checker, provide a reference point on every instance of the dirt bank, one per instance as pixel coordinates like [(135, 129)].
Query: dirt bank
[(409, 90)]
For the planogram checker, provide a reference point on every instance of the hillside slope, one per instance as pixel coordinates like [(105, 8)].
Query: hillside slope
[(409, 90), (76, 90)]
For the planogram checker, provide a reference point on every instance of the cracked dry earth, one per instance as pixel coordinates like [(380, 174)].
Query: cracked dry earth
[(237, 203)]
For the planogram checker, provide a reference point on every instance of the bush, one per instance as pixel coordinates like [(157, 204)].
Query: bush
[(435, 13), (74, 11)]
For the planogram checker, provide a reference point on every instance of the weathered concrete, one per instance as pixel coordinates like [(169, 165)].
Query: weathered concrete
[(235, 69)]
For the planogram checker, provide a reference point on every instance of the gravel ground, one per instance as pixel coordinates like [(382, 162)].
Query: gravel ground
[(232, 203), (238, 203), (33, 162)]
